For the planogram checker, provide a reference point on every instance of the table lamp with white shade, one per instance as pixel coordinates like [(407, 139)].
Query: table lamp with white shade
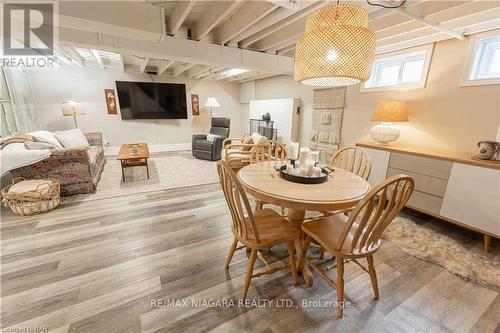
[(211, 103), (387, 112), (71, 108)]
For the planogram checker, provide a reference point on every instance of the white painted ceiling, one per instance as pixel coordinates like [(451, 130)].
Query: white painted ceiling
[(248, 27)]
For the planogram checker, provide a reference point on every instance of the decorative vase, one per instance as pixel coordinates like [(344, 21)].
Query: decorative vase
[(486, 149), (384, 133), (266, 117)]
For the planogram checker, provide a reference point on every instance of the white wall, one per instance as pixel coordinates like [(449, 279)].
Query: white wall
[(52, 87), (442, 115), (284, 87)]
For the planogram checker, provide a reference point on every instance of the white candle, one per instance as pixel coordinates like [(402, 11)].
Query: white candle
[(315, 156), (302, 172), (289, 169), (317, 172), (294, 150), (304, 156), (309, 167)]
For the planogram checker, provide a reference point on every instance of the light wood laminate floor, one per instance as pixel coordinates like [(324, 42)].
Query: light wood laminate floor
[(106, 266)]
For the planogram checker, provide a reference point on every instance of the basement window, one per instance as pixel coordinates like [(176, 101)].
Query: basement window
[(400, 70), (483, 60)]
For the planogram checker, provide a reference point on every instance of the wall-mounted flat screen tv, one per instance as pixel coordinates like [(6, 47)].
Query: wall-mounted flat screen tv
[(151, 100)]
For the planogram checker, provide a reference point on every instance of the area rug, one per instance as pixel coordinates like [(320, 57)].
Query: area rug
[(444, 251), (165, 172)]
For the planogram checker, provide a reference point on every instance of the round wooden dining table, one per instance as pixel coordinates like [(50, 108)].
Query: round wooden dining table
[(342, 190)]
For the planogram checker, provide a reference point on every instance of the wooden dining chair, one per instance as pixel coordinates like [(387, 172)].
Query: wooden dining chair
[(353, 159), (357, 236), (268, 151), (256, 231)]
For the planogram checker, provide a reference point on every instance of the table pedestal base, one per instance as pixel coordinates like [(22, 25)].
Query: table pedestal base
[(296, 217)]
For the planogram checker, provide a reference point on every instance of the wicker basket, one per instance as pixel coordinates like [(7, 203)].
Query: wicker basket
[(41, 195)]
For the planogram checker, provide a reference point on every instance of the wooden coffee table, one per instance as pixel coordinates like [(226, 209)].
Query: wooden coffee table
[(133, 154)]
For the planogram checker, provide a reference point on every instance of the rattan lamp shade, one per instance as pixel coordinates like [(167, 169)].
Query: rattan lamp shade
[(337, 48), (390, 111)]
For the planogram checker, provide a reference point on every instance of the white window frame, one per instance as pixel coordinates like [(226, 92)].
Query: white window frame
[(429, 48), (469, 62)]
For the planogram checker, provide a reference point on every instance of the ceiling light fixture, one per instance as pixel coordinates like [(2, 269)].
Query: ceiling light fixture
[(337, 48), (235, 71)]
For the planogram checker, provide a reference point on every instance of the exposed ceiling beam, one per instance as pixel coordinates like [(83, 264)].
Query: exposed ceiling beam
[(129, 19), (143, 65), (209, 72), (471, 23), (193, 72), (242, 76), (283, 37), (217, 71), (383, 12), (273, 17), (249, 14), (179, 13), (217, 12), (202, 74), (262, 33), (257, 77), (428, 23), (73, 56), (287, 49), (429, 37), (181, 69), (164, 65), (97, 58), (180, 50), (443, 15)]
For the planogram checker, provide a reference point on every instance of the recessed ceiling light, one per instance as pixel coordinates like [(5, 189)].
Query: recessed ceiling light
[(235, 71)]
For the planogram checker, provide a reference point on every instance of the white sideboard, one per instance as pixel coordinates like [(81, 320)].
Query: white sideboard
[(451, 186)]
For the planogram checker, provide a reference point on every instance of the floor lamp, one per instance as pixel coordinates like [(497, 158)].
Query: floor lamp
[(74, 109), (211, 103)]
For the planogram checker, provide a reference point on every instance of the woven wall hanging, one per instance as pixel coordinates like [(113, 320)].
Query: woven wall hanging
[(328, 109)]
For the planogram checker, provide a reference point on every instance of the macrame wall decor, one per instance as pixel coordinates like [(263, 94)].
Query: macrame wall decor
[(328, 108)]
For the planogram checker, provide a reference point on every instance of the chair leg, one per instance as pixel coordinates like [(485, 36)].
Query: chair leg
[(231, 252), (373, 275), (248, 277), (293, 263), (340, 287)]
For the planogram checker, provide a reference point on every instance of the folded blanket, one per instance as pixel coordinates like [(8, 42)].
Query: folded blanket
[(16, 139), (13, 153)]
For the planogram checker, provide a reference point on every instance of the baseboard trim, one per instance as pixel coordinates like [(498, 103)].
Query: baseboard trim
[(113, 151)]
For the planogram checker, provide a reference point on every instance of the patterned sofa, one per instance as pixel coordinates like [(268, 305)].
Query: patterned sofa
[(79, 169)]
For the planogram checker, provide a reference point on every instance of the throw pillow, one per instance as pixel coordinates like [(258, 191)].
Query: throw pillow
[(247, 140), (38, 145), (258, 139), (46, 136), (211, 137), (72, 138)]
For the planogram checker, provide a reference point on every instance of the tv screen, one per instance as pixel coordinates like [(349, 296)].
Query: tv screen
[(151, 100)]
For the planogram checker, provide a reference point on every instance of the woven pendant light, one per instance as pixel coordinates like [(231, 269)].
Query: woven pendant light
[(337, 48)]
